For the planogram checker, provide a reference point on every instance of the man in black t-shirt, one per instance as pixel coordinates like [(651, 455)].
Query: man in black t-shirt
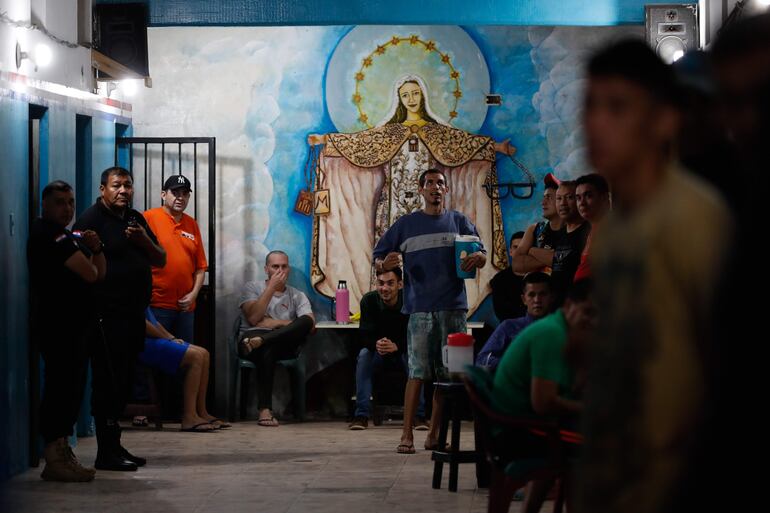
[(571, 242), (542, 235), (564, 257), (62, 267), (383, 335), (121, 299)]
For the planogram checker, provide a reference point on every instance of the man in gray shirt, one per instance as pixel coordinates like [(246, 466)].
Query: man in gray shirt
[(275, 320)]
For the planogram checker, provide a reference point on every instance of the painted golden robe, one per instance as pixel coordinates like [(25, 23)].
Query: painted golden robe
[(373, 176)]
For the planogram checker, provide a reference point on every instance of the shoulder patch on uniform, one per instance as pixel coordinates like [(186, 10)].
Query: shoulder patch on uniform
[(188, 235)]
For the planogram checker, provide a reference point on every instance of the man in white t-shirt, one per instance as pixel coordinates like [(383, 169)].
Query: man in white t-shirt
[(275, 320)]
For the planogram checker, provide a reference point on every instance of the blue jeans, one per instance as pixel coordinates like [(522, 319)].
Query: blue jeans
[(366, 364), (178, 323)]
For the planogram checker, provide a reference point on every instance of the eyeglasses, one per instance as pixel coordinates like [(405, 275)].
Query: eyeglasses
[(520, 190)]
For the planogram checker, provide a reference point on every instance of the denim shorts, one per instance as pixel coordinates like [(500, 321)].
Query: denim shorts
[(426, 338)]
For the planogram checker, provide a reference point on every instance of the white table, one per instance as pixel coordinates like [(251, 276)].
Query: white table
[(326, 325)]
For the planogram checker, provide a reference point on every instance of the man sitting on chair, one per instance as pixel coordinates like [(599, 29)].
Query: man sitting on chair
[(383, 336), (541, 373), (537, 299), (275, 320)]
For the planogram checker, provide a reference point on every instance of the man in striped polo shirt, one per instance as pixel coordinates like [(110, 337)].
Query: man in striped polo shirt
[(434, 296)]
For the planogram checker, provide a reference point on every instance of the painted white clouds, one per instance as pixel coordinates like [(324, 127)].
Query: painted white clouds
[(559, 56), (225, 82)]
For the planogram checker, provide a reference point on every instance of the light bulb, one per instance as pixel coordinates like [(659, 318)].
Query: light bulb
[(128, 87), (43, 55)]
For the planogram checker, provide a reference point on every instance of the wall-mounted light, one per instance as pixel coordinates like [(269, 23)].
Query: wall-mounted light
[(20, 56), (128, 87), (43, 55)]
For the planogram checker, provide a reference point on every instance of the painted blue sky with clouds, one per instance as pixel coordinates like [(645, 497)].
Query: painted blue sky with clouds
[(260, 91)]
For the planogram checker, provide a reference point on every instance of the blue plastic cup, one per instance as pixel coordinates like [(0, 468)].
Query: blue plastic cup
[(464, 246)]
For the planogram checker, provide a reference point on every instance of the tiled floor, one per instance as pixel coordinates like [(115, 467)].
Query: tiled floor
[(313, 467)]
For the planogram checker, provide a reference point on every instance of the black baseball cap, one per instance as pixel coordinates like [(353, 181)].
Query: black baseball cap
[(177, 182)]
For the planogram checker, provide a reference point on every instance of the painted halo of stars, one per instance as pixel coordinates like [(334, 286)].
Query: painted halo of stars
[(414, 40)]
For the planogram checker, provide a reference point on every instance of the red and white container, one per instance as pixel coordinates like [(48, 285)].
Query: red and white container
[(458, 352)]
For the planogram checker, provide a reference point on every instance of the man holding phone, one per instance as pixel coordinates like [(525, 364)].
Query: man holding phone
[(121, 299)]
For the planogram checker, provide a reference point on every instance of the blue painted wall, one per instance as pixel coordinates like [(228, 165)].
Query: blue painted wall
[(385, 12), (14, 428), (14, 162)]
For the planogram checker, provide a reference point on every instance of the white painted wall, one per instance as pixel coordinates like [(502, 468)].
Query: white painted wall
[(712, 15), (61, 18), (70, 67)]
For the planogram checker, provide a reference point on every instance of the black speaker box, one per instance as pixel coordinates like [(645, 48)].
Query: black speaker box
[(671, 29), (120, 33)]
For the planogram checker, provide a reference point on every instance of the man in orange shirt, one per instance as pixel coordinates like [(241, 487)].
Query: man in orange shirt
[(175, 286)]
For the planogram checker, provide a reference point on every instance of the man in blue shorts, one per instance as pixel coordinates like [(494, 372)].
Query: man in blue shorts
[(169, 354), (434, 297)]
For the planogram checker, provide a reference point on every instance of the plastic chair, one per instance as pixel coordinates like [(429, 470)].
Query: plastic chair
[(295, 367), (510, 470)]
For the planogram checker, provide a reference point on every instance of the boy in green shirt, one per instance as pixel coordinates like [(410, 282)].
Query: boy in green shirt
[(537, 374)]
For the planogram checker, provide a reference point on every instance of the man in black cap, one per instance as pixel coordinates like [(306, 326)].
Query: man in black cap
[(121, 299), (175, 287), (62, 267)]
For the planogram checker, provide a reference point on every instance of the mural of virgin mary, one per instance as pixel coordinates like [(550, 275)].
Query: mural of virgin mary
[(372, 177)]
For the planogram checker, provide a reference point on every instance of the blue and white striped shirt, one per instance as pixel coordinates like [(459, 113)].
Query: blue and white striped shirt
[(426, 243)]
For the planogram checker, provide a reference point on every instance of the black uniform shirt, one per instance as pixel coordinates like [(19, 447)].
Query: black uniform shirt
[(128, 281), (58, 295)]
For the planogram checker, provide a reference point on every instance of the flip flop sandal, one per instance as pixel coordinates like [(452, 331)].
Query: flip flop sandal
[(140, 421), (198, 428), (220, 424), (247, 345), (244, 348), (271, 422), (405, 449)]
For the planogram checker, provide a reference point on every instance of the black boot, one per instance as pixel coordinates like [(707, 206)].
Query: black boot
[(109, 455), (136, 460)]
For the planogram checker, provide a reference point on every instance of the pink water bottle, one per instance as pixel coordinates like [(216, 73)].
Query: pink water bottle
[(342, 303)]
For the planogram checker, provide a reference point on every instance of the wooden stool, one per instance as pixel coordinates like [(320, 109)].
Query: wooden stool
[(453, 397)]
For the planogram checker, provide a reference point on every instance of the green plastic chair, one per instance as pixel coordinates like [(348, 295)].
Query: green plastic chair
[(243, 368)]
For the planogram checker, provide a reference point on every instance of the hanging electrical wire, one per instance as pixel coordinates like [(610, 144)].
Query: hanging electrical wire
[(5, 19)]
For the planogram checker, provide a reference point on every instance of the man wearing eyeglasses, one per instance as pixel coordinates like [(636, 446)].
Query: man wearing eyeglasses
[(175, 287)]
